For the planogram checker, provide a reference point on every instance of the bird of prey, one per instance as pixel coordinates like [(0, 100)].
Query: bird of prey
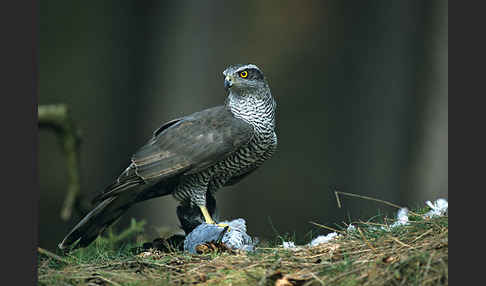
[(193, 156)]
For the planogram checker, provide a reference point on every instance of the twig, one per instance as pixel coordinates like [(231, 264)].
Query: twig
[(160, 264), (317, 278), (107, 280), (327, 227), (399, 242), (52, 255), (364, 238), (57, 118), (422, 235), (337, 193)]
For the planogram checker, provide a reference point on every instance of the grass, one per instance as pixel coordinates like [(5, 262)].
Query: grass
[(415, 254)]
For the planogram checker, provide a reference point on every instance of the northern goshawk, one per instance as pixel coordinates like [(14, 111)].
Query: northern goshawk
[(193, 156)]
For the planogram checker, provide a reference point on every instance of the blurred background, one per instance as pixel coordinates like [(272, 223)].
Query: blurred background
[(361, 90)]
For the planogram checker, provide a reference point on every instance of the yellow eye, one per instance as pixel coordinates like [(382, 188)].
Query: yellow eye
[(244, 74)]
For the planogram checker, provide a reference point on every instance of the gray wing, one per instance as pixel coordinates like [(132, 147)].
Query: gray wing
[(183, 146)]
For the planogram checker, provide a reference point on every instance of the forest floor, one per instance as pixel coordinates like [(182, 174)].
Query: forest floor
[(373, 253)]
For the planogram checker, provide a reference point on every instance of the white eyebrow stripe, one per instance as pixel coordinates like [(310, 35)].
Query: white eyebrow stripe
[(250, 66)]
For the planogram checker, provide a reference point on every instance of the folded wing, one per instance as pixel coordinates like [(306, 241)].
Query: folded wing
[(183, 146)]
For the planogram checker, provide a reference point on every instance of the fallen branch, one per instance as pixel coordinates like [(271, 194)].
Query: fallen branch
[(57, 118)]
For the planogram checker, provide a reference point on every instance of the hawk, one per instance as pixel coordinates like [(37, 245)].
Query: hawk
[(192, 157)]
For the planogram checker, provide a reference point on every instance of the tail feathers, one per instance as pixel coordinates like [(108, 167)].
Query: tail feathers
[(95, 222)]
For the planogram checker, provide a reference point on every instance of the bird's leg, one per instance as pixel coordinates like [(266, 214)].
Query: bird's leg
[(207, 216), (209, 219)]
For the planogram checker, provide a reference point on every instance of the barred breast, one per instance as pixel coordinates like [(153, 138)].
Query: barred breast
[(260, 114)]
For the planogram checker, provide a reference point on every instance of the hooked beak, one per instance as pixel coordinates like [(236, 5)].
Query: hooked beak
[(227, 82)]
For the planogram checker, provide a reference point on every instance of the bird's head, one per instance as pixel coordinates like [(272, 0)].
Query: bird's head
[(244, 79), (249, 95)]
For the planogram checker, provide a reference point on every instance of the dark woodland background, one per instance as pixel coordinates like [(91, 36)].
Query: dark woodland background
[(361, 88)]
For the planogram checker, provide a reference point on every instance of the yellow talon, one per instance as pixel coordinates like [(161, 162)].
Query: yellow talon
[(223, 225)]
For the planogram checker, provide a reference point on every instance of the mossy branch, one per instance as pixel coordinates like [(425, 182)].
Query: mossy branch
[(57, 118)]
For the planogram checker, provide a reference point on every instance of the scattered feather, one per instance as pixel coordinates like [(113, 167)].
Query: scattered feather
[(402, 218), (351, 228), (438, 208), (288, 244), (323, 239)]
